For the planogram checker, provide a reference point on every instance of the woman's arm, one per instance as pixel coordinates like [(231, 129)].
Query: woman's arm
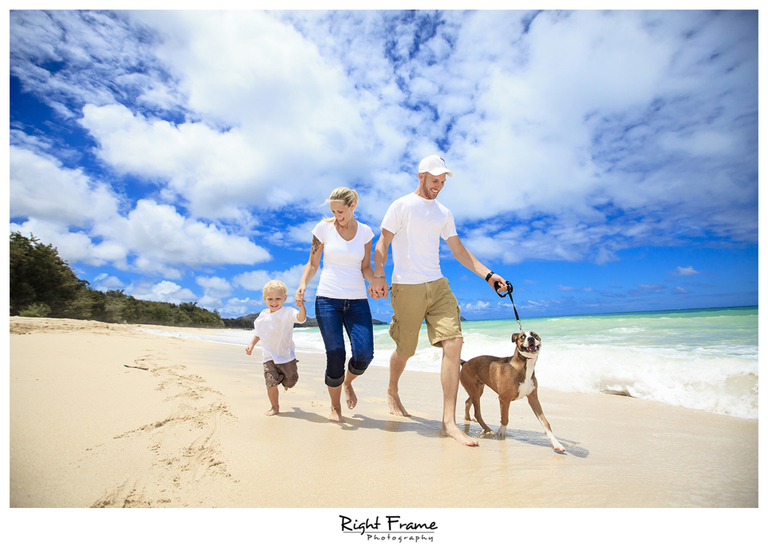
[(366, 268), (313, 264)]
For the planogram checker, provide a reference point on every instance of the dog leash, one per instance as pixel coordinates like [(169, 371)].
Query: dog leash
[(497, 285)]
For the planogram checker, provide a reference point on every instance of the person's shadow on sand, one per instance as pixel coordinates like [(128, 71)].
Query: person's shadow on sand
[(425, 427), (431, 429)]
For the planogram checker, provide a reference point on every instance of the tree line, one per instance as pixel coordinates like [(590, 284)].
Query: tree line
[(43, 285)]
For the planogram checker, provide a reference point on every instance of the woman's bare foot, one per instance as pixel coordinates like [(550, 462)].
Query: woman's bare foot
[(395, 406), (336, 415), (349, 394), (272, 411), (453, 431)]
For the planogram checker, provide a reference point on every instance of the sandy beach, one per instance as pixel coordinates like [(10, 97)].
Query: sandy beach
[(106, 415)]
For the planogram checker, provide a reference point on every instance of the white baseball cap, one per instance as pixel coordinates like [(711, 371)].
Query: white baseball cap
[(434, 165)]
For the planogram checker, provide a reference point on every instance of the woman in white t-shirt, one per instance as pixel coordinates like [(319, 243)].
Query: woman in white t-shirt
[(341, 301)]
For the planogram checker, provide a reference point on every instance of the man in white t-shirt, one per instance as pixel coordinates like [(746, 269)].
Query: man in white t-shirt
[(414, 225)]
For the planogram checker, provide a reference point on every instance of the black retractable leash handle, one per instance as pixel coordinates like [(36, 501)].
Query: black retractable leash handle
[(497, 285)]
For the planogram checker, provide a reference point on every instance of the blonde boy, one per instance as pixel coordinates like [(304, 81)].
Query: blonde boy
[(274, 328)]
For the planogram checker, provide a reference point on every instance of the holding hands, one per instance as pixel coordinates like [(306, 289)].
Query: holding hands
[(299, 296), (378, 288)]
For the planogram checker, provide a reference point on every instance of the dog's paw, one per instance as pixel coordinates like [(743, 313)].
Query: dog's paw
[(559, 448), (501, 434)]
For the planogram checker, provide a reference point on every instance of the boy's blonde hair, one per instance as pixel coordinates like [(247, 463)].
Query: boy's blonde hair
[(277, 286), (345, 195)]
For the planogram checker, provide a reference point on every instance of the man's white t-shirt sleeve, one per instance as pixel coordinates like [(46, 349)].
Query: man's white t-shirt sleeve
[(392, 221), (449, 229)]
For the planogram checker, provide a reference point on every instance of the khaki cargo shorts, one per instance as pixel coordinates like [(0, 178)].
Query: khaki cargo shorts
[(414, 303), (275, 374)]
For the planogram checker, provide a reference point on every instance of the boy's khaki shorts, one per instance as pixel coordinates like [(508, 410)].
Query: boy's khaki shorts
[(414, 303), (275, 374)]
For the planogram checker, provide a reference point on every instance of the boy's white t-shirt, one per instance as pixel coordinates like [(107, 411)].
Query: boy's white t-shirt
[(275, 333), (341, 276), (417, 225)]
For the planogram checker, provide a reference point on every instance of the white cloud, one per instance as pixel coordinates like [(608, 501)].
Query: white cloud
[(41, 187), (477, 306), (654, 288), (268, 121), (104, 282), (55, 200), (214, 289), (165, 291), (604, 256), (236, 307), (685, 272), (161, 235), (702, 143), (74, 247), (538, 306), (214, 286), (255, 280), (302, 233), (89, 51)]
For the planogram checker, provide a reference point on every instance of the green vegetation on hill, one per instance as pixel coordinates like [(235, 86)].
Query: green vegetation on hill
[(43, 285)]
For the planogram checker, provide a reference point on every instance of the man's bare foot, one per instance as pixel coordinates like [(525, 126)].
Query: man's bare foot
[(349, 394), (272, 411), (395, 406), (336, 415), (453, 431)]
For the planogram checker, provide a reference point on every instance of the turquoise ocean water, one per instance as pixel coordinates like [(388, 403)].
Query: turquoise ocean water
[(704, 359)]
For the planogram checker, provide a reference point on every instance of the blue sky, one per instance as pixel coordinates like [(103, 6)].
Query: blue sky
[(604, 161)]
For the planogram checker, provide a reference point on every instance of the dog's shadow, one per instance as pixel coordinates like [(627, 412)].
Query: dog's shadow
[(530, 437), (431, 429)]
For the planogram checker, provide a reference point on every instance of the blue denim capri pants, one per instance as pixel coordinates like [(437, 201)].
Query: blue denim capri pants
[(333, 317)]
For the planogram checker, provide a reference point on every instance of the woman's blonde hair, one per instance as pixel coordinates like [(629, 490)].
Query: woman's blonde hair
[(345, 195)]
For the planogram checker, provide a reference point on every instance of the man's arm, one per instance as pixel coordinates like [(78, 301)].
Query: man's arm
[(378, 288), (468, 260)]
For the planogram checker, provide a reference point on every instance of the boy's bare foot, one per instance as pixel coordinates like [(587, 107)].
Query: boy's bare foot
[(395, 406), (336, 415), (349, 394), (453, 431), (272, 411)]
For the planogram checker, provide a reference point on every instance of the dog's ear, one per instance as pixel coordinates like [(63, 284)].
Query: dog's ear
[(515, 337)]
